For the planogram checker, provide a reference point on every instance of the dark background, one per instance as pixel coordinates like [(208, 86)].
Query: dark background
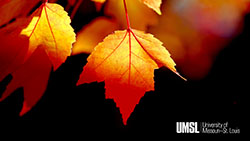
[(69, 110)]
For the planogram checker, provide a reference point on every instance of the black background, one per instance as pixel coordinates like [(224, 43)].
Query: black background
[(74, 111)]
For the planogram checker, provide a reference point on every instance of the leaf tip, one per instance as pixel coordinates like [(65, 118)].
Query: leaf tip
[(158, 11), (181, 76)]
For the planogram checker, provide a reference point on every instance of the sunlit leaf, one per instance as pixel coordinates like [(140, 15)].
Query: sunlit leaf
[(126, 61), (50, 28)]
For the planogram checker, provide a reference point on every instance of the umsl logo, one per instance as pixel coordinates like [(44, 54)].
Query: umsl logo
[(187, 127)]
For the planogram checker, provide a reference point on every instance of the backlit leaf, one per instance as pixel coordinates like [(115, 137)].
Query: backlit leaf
[(126, 61), (50, 28), (30, 45)]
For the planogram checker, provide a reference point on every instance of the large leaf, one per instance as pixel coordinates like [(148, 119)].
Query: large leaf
[(126, 61)]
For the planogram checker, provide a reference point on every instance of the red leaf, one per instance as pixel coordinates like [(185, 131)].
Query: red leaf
[(33, 76), (10, 9)]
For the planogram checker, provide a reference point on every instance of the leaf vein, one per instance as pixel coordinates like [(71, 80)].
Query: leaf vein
[(111, 52)]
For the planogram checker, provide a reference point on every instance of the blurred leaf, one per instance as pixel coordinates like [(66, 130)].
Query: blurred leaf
[(154, 4), (92, 34), (195, 31)]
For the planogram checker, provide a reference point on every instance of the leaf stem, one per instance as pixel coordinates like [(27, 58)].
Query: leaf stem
[(77, 5), (130, 62), (129, 34), (126, 12)]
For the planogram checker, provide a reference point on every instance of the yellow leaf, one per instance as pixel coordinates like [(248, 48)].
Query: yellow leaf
[(50, 28), (154, 4)]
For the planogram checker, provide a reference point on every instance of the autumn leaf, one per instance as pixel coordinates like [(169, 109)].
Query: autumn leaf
[(33, 76), (12, 53), (14, 46), (30, 45), (92, 34), (50, 28), (126, 61), (11, 9), (154, 4)]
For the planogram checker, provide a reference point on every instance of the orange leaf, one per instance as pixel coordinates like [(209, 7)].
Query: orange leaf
[(126, 61), (29, 45), (33, 76), (50, 28), (154, 4)]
